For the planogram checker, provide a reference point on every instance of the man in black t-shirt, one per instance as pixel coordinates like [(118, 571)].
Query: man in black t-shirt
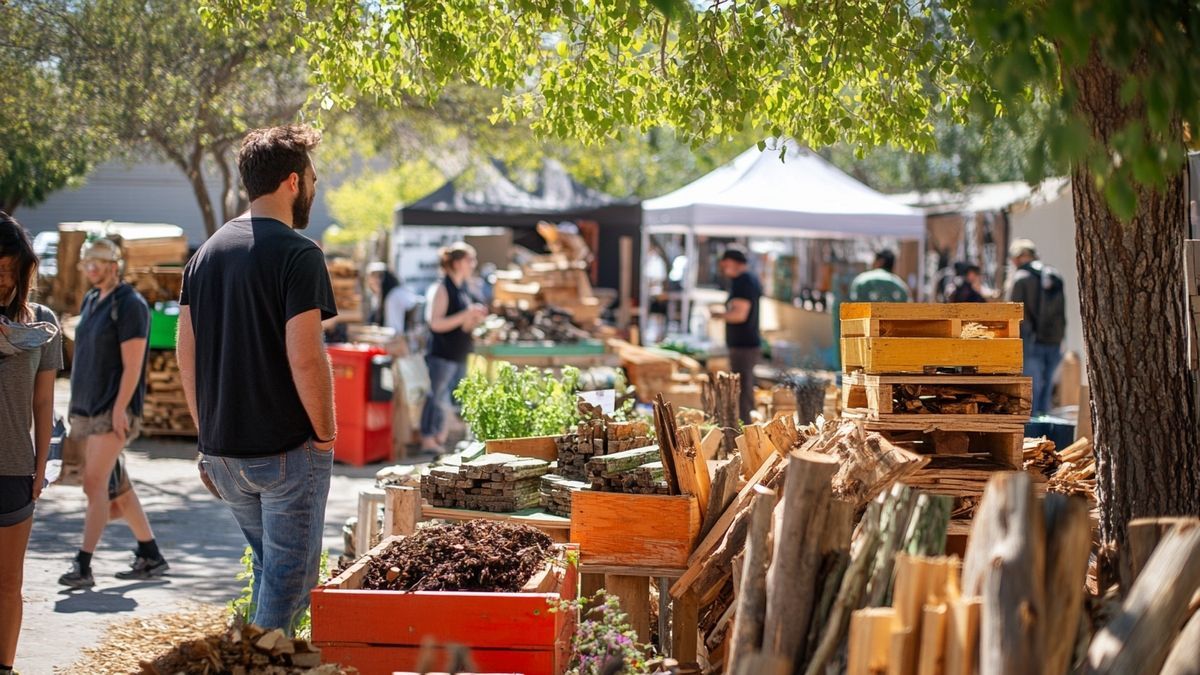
[(742, 336), (255, 371)]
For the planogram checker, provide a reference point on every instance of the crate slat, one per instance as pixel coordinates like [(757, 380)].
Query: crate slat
[(879, 356)]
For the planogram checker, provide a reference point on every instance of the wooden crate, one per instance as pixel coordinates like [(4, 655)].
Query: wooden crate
[(872, 395), (883, 355), (931, 320), (624, 530), (1003, 445), (541, 447), (380, 632)]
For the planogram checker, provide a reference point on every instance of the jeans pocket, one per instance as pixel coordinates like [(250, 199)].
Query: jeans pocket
[(263, 473)]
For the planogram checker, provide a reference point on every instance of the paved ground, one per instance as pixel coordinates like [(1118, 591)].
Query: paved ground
[(195, 531)]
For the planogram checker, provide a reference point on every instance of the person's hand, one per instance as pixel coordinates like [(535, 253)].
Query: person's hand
[(479, 311), (39, 480), (120, 424)]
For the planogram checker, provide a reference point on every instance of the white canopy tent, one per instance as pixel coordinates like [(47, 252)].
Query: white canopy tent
[(758, 194)]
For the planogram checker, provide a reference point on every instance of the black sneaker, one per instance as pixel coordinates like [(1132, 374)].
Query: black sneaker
[(76, 578), (145, 568)]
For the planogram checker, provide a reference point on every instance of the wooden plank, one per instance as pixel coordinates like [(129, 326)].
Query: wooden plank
[(927, 423), (915, 355), (948, 379), (931, 659), (751, 597), (1144, 536), (1158, 605), (712, 443), (401, 510), (631, 570), (962, 635), (634, 530), (370, 500), (1068, 544), (980, 312), (714, 536), (724, 491), (949, 328), (1184, 658), (870, 640), (385, 660), (634, 595), (691, 468), (685, 617)]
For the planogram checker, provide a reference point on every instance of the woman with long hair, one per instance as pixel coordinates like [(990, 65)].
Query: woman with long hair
[(30, 356), (452, 314)]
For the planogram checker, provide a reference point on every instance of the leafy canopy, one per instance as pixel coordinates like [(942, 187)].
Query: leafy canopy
[(864, 72)]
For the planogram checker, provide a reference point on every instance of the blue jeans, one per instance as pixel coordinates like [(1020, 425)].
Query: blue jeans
[(279, 502), (1041, 362), (444, 376)]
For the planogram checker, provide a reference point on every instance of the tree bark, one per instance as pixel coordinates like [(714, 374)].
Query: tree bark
[(195, 176), (10, 205), (1147, 431)]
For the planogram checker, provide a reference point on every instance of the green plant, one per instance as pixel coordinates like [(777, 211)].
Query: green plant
[(518, 403), (603, 642), (242, 607)]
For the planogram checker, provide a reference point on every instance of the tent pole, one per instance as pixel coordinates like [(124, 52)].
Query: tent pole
[(644, 288), (689, 285), (919, 296)]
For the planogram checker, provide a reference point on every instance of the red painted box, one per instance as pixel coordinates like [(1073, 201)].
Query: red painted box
[(381, 632)]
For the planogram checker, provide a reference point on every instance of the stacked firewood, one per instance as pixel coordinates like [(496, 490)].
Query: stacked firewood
[(513, 324), (1039, 456), (165, 410), (343, 276), (950, 400), (495, 482), (595, 438), (631, 471), (556, 491), (1076, 471)]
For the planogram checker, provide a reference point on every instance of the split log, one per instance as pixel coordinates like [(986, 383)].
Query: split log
[(762, 664), (931, 656), (684, 632), (962, 635), (401, 510), (692, 469), (752, 591), (1144, 535), (1005, 564), (834, 551), (870, 640), (664, 421), (724, 491), (1133, 643), (926, 531), (794, 561), (1068, 544), (893, 525), (1184, 658)]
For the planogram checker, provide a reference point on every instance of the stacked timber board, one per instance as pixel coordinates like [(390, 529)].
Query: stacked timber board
[(637, 471), (496, 482), (592, 438), (942, 380), (165, 412)]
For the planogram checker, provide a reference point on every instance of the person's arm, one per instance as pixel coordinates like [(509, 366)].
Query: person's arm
[(312, 374), (395, 305), (43, 421), (185, 354), (133, 355), (738, 311)]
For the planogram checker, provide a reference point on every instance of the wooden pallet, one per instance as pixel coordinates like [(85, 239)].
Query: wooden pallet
[(1003, 445), (888, 355), (962, 476), (913, 319), (873, 395)]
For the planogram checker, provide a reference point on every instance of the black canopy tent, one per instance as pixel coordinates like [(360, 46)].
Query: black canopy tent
[(487, 196)]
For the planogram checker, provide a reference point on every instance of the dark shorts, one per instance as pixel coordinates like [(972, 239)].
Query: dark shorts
[(16, 499)]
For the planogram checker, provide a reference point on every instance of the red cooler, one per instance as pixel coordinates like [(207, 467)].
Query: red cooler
[(362, 396)]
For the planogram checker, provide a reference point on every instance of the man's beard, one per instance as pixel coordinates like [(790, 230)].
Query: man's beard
[(301, 207)]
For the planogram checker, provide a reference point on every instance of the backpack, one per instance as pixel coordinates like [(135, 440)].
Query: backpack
[(1050, 322)]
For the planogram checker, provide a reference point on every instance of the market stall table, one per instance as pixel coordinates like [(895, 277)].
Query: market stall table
[(587, 354)]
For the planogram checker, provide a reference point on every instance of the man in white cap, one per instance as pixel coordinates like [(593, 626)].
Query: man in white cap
[(1041, 289)]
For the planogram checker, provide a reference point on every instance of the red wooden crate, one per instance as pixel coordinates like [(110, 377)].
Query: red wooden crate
[(380, 632)]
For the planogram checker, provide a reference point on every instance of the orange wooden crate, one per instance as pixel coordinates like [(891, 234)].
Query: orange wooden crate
[(624, 530), (380, 632)]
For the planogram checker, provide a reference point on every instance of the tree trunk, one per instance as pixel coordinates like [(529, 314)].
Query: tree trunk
[(1147, 431), (10, 205)]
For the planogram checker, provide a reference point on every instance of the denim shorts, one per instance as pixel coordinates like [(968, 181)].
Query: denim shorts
[(16, 499)]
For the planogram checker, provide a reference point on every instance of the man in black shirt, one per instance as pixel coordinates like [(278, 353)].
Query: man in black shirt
[(255, 372), (742, 336)]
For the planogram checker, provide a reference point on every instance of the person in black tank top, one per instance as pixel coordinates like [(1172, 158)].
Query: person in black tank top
[(453, 314)]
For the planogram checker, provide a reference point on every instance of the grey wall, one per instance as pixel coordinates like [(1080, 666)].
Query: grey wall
[(146, 192)]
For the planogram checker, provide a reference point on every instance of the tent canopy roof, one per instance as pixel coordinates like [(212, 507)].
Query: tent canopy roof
[(801, 195), (488, 192)]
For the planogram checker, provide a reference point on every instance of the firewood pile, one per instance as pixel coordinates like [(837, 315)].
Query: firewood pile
[(1039, 456), (952, 400), (496, 483), (477, 555), (1076, 471), (510, 324), (165, 411), (156, 284), (637, 471), (556, 491), (343, 275), (241, 651), (597, 437)]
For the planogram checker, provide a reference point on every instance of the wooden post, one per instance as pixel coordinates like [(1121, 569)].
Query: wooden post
[(1184, 658), (752, 592), (1068, 543), (794, 562), (870, 640), (625, 282), (685, 617), (762, 664), (369, 501), (401, 510), (1135, 642), (962, 635), (589, 585), (1005, 564), (634, 594)]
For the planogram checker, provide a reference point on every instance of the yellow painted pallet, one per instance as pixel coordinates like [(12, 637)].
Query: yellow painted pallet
[(873, 395), (882, 356), (931, 320), (1003, 445)]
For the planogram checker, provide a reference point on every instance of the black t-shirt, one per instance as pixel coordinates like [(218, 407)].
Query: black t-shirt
[(97, 366), (242, 287), (746, 334)]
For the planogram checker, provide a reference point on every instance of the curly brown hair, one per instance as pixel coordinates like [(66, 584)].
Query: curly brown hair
[(268, 156)]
